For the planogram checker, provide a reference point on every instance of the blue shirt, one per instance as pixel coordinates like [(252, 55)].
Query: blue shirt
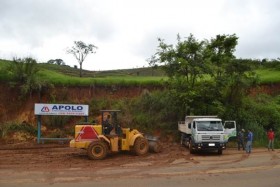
[(250, 136)]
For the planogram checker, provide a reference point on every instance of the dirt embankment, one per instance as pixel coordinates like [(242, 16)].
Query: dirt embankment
[(270, 89), (13, 107)]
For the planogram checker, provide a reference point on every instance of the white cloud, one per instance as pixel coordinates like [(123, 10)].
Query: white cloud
[(126, 31)]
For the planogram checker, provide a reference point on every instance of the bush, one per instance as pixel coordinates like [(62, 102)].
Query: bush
[(258, 114), (154, 112), (159, 112), (13, 127), (54, 122), (57, 133)]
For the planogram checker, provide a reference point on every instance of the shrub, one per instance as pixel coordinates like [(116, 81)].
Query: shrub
[(54, 122), (13, 127), (258, 114)]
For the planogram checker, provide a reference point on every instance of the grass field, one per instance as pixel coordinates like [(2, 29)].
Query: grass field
[(127, 80), (268, 75), (65, 75)]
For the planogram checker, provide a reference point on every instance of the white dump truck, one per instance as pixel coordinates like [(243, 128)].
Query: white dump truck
[(206, 133)]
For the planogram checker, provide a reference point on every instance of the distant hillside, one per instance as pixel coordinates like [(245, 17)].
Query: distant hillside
[(67, 70), (66, 75)]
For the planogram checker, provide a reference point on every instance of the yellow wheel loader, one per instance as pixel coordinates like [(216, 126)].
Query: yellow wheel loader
[(110, 137)]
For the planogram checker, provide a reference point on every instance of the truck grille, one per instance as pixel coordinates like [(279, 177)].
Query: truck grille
[(210, 137)]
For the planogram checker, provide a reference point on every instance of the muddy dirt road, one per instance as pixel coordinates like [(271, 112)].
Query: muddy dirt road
[(58, 165)]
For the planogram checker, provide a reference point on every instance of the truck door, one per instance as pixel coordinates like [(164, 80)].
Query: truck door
[(193, 130), (230, 129)]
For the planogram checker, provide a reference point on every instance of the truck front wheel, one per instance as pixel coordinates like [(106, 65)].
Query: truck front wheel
[(220, 151), (191, 147)]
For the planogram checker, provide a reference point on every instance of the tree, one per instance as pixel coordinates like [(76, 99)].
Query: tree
[(205, 73), (183, 60), (219, 52), (80, 51), (56, 61), (184, 64), (24, 72)]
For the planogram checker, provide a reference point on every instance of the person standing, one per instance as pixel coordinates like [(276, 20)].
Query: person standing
[(249, 141), (240, 139), (270, 136)]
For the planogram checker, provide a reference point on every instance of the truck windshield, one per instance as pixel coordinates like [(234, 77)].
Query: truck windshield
[(209, 126)]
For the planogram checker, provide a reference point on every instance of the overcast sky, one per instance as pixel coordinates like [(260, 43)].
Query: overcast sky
[(126, 31)]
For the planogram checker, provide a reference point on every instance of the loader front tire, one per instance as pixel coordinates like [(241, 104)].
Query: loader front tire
[(141, 146), (97, 150)]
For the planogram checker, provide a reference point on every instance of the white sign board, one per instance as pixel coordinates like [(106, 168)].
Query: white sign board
[(61, 109)]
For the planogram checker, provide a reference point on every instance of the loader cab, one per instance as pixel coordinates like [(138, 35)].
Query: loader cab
[(110, 123)]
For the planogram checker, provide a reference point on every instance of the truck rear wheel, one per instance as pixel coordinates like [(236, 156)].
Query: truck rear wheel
[(182, 140), (97, 150), (141, 146), (220, 151)]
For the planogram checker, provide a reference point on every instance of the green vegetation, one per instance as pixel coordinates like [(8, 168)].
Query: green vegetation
[(268, 75), (67, 76), (4, 74), (158, 113), (23, 73), (225, 94), (128, 80), (12, 127), (198, 77)]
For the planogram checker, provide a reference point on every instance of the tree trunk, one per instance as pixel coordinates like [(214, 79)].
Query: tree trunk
[(81, 69)]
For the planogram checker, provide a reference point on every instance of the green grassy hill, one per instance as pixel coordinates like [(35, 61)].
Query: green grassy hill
[(66, 75), (67, 70), (268, 75)]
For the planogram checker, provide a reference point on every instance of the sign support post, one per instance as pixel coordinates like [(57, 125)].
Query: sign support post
[(39, 128)]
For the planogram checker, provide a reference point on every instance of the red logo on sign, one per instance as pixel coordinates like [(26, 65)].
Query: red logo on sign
[(45, 109)]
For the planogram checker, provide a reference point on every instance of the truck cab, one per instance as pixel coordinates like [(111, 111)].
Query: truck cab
[(206, 133)]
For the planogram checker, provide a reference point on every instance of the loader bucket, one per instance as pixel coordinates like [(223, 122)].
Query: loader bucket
[(154, 144)]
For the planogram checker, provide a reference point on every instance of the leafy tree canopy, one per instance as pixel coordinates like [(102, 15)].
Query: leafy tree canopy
[(80, 50), (204, 73), (56, 61)]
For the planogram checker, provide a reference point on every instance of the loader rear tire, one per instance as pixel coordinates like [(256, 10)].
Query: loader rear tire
[(141, 146), (97, 150)]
